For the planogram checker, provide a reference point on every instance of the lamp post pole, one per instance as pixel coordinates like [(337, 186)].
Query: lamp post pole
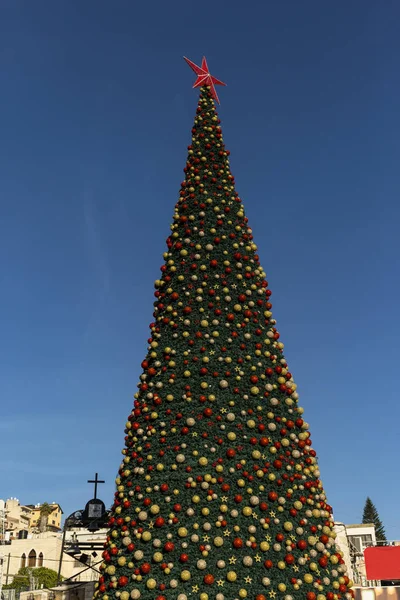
[(62, 551), (8, 567)]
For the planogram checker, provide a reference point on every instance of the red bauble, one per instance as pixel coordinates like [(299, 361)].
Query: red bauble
[(237, 543), (169, 547), (268, 564), (323, 562), (208, 579), (324, 539), (145, 568)]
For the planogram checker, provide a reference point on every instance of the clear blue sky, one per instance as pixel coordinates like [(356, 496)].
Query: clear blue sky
[(96, 108)]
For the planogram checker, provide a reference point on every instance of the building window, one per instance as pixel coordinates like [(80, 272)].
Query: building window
[(23, 561), (40, 560), (366, 540), (32, 559), (360, 542), (355, 542)]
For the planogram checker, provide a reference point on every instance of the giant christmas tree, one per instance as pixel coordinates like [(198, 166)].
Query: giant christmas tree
[(218, 494)]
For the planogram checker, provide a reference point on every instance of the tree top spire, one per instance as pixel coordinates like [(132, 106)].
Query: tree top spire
[(204, 77)]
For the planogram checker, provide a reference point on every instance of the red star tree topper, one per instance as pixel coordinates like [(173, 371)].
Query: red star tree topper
[(204, 77)]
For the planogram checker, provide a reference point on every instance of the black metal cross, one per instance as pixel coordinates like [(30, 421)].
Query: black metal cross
[(96, 480)]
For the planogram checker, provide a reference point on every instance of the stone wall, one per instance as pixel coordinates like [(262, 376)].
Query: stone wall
[(377, 593)]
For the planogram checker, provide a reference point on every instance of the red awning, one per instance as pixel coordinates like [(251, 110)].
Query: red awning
[(382, 562)]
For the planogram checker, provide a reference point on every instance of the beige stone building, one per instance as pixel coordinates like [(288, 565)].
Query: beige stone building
[(53, 519), (77, 591), (17, 517), (21, 519), (343, 543), (44, 550), (360, 536)]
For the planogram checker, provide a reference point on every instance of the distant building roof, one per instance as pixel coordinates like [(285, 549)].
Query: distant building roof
[(37, 506), (360, 525)]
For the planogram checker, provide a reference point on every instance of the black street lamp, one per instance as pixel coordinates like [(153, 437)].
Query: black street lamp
[(93, 517)]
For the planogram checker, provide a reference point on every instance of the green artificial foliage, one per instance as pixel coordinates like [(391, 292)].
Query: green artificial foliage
[(218, 496), (370, 515)]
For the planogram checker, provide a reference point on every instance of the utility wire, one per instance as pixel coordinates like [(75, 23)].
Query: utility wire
[(44, 559)]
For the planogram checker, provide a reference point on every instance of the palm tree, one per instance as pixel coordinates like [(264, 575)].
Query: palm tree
[(45, 511)]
